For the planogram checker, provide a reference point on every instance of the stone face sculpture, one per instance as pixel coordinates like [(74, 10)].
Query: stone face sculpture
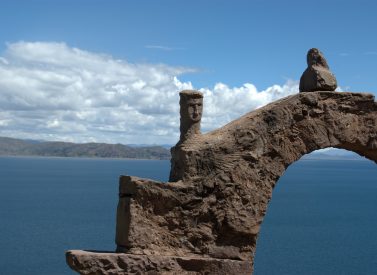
[(191, 108), (317, 76), (206, 220)]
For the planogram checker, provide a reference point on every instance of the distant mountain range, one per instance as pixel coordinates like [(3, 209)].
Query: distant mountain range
[(333, 154), (19, 147)]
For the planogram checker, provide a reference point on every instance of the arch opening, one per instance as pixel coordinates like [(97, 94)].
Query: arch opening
[(320, 218)]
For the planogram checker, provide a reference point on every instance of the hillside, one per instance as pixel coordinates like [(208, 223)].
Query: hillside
[(18, 147)]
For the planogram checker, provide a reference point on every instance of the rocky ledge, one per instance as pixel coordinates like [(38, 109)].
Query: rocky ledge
[(87, 262)]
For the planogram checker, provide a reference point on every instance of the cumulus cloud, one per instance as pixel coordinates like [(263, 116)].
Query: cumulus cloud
[(52, 91)]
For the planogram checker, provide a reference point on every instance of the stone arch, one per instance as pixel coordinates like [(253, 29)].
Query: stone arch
[(221, 182), (284, 131), (241, 162)]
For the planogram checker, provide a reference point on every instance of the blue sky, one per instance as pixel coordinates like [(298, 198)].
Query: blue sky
[(237, 52)]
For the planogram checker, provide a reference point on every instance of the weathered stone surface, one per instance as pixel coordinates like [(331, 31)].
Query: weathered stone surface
[(91, 263), (221, 184), (317, 76), (219, 197), (191, 107)]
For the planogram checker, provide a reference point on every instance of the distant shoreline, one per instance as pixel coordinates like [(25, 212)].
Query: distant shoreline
[(27, 148), (79, 157), (334, 158), (310, 158)]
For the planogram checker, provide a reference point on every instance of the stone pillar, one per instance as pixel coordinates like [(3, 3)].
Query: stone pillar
[(123, 218), (191, 108)]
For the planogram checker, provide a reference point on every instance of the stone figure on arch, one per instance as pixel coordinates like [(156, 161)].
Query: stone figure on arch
[(191, 109)]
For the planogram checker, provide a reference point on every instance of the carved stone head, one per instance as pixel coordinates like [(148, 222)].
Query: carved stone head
[(191, 104)]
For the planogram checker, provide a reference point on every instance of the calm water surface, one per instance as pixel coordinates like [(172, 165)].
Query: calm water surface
[(50, 205), (321, 220)]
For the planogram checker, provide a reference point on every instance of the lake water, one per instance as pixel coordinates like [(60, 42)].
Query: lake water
[(321, 220)]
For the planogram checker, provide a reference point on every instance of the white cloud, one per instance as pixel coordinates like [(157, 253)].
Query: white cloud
[(55, 92), (222, 104)]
